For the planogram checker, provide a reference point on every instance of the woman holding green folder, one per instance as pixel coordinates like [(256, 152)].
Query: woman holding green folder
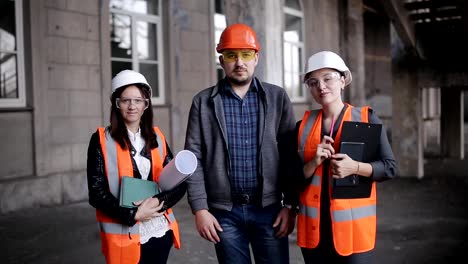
[(131, 146), (332, 230)]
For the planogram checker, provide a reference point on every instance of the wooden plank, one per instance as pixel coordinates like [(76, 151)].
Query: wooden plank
[(404, 27)]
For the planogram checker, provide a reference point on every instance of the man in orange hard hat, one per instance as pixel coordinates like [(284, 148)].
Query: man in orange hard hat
[(239, 131)]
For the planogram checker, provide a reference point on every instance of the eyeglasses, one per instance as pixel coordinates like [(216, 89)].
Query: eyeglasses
[(125, 102), (234, 55), (327, 79)]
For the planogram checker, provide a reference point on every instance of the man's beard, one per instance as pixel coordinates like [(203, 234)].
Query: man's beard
[(239, 82)]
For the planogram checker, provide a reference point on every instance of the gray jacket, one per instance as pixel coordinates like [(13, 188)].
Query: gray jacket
[(209, 186)]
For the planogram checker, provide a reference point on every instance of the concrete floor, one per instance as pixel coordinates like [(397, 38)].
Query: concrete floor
[(419, 221)]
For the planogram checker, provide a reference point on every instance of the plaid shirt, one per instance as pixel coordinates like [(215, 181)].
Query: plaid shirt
[(242, 128)]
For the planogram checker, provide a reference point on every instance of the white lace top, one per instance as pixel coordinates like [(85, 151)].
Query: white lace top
[(157, 226)]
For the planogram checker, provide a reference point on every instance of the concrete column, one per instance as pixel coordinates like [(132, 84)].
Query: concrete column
[(39, 77), (354, 49), (263, 17), (451, 123), (190, 60), (272, 55), (106, 67), (407, 137)]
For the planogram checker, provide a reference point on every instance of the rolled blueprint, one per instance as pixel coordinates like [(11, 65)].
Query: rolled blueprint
[(177, 170)]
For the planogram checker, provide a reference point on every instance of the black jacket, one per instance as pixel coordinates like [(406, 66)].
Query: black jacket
[(100, 196)]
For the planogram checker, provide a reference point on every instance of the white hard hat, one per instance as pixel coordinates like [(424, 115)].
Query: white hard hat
[(127, 77), (327, 59)]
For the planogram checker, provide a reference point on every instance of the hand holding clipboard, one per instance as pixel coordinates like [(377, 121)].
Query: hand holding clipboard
[(355, 151), (360, 141)]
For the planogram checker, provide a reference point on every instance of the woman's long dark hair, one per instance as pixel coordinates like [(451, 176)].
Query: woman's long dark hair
[(118, 129)]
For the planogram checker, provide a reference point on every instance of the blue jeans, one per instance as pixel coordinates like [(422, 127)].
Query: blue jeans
[(251, 225)]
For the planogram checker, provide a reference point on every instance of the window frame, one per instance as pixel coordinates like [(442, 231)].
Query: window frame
[(219, 69), (157, 20), (19, 52), (300, 45)]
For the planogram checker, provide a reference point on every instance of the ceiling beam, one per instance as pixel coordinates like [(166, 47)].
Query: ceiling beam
[(430, 4), (450, 14), (403, 25)]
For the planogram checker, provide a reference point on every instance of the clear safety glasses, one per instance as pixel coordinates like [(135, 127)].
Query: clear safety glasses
[(138, 102), (328, 79), (234, 55)]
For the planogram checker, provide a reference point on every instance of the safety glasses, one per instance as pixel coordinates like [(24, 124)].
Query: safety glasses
[(327, 79), (234, 55), (125, 102)]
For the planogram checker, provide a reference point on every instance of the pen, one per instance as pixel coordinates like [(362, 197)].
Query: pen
[(332, 126)]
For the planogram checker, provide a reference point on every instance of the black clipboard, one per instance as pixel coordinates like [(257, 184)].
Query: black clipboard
[(354, 150), (368, 136)]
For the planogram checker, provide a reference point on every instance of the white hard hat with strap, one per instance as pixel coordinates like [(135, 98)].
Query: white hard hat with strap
[(327, 59), (127, 77)]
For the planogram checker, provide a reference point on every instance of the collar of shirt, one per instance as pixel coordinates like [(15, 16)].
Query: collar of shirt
[(226, 88), (133, 136), (143, 164), (137, 141)]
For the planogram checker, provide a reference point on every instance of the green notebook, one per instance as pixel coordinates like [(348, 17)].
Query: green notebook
[(134, 189)]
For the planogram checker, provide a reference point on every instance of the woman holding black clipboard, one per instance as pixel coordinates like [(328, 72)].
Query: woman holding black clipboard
[(336, 230)]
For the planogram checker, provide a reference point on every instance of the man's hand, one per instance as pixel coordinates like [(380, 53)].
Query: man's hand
[(207, 225), (284, 223)]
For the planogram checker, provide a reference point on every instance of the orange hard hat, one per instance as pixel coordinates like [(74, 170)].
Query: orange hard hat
[(238, 36)]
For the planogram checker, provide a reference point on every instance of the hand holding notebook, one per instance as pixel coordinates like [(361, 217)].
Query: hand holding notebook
[(134, 189)]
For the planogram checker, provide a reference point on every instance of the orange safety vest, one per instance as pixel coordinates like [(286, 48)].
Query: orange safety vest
[(121, 243), (354, 221)]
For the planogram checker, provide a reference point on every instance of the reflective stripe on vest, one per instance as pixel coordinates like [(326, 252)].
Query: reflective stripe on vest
[(113, 228), (307, 127), (171, 217), (309, 211), (353, 220), (354, 214), (315, 180), (111, 164)]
